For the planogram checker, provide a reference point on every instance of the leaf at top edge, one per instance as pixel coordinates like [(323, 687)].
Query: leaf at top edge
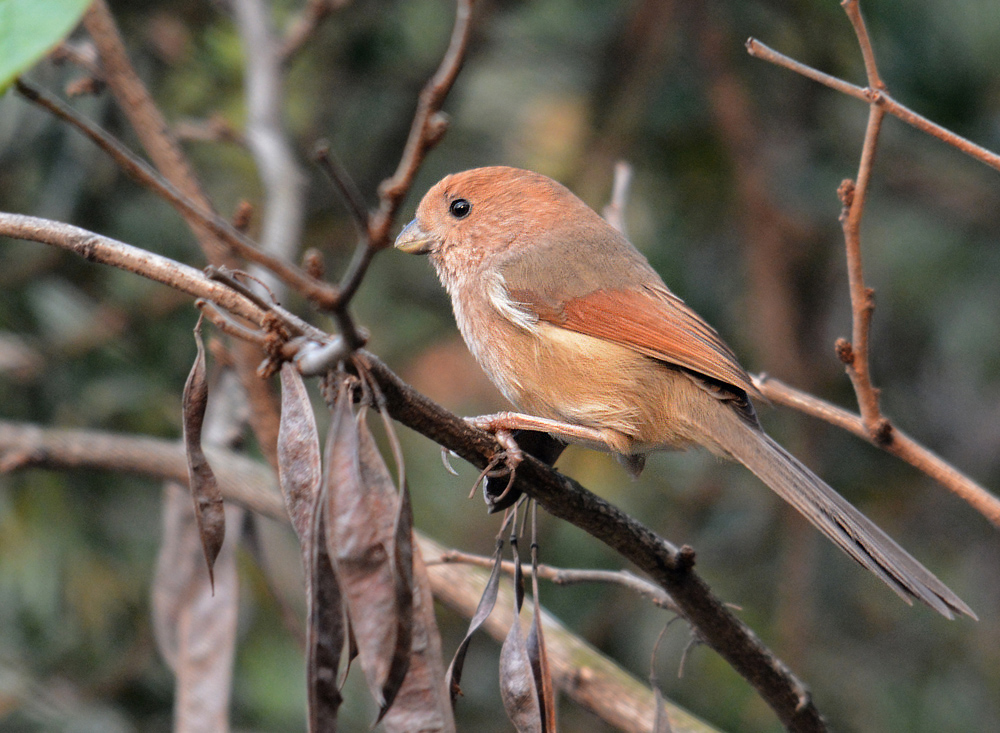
[(29, 29)]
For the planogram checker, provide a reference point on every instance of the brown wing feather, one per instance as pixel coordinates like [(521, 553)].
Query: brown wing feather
[(653, 322)]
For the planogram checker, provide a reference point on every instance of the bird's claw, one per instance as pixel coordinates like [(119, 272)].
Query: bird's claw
[(512, 454)]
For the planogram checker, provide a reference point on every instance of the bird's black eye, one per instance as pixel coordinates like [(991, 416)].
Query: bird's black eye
[(460, 208)]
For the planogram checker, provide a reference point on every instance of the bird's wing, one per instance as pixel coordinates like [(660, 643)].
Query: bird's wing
[(651, 320)]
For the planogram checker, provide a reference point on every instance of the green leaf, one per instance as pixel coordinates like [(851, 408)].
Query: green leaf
[(29, 29)]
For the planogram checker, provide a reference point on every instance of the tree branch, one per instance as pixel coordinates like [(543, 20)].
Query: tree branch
[(592, 680), (900, 445), (668, 566), (107, 251), (881, 97)]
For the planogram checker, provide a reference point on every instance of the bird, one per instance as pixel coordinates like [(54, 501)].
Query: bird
[(578, 331)]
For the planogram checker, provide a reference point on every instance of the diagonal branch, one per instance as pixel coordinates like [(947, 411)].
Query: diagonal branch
[(429, 125), (316, 290), (902, 446), (885, 100), (670, 567), (107, 251), (591, 679)]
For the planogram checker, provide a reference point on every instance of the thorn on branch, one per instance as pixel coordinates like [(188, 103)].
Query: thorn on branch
[(845, 351)]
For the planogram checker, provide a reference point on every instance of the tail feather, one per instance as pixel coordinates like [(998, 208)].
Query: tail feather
[(829, 512)]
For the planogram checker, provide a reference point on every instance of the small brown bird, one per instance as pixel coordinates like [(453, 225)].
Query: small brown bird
[(580, 333)]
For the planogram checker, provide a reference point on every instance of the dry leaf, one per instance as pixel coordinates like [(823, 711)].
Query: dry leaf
[(537, 655), (300, 475), (422, 703), (517, 680), (486, 603), (208, 507), (300, 469), (325, 634), (194, 625), (358, 538), (377, 481)]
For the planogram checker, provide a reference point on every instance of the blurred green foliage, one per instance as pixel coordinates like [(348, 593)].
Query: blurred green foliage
[(566, 87)]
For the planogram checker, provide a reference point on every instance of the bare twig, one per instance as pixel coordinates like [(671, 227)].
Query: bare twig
[(304, 25), (670, 567), (344, 183), (853, 10), (761, 51), (592, 680), (429, 124), (855, 354), (147, 121), (571, 576), (854, 196), (226, 324), (900, 445), (319, 292), (97, 248)]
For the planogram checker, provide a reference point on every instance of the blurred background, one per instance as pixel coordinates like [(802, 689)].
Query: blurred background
[(736, 165)]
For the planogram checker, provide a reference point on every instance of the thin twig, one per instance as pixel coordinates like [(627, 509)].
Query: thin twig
[(855, 357), (900, 444), (853, 10), (570, 576), (425, 132), (146, 119), (339, 176), (668, 566), (225, 323), (761, 51), (304, 25), (97, 248), (319, 292)]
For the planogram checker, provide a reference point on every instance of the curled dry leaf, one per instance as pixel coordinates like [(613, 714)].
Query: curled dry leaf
[(358, 538), (422, 702), (194, 625), (385, 585), (536, 652), (486, 603), (300, 468), (300, 476), (518, 689), (377, 481), (325, 634), (208, 507)]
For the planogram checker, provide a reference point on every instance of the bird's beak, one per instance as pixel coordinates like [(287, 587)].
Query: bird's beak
[(414, 240)]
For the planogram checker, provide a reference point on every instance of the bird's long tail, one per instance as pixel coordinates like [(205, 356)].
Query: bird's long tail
[(837, 519)]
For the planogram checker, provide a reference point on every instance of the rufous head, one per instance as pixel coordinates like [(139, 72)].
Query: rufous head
[(486, 211)]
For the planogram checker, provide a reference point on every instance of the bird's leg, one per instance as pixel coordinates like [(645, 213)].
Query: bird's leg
[(509, 421)]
